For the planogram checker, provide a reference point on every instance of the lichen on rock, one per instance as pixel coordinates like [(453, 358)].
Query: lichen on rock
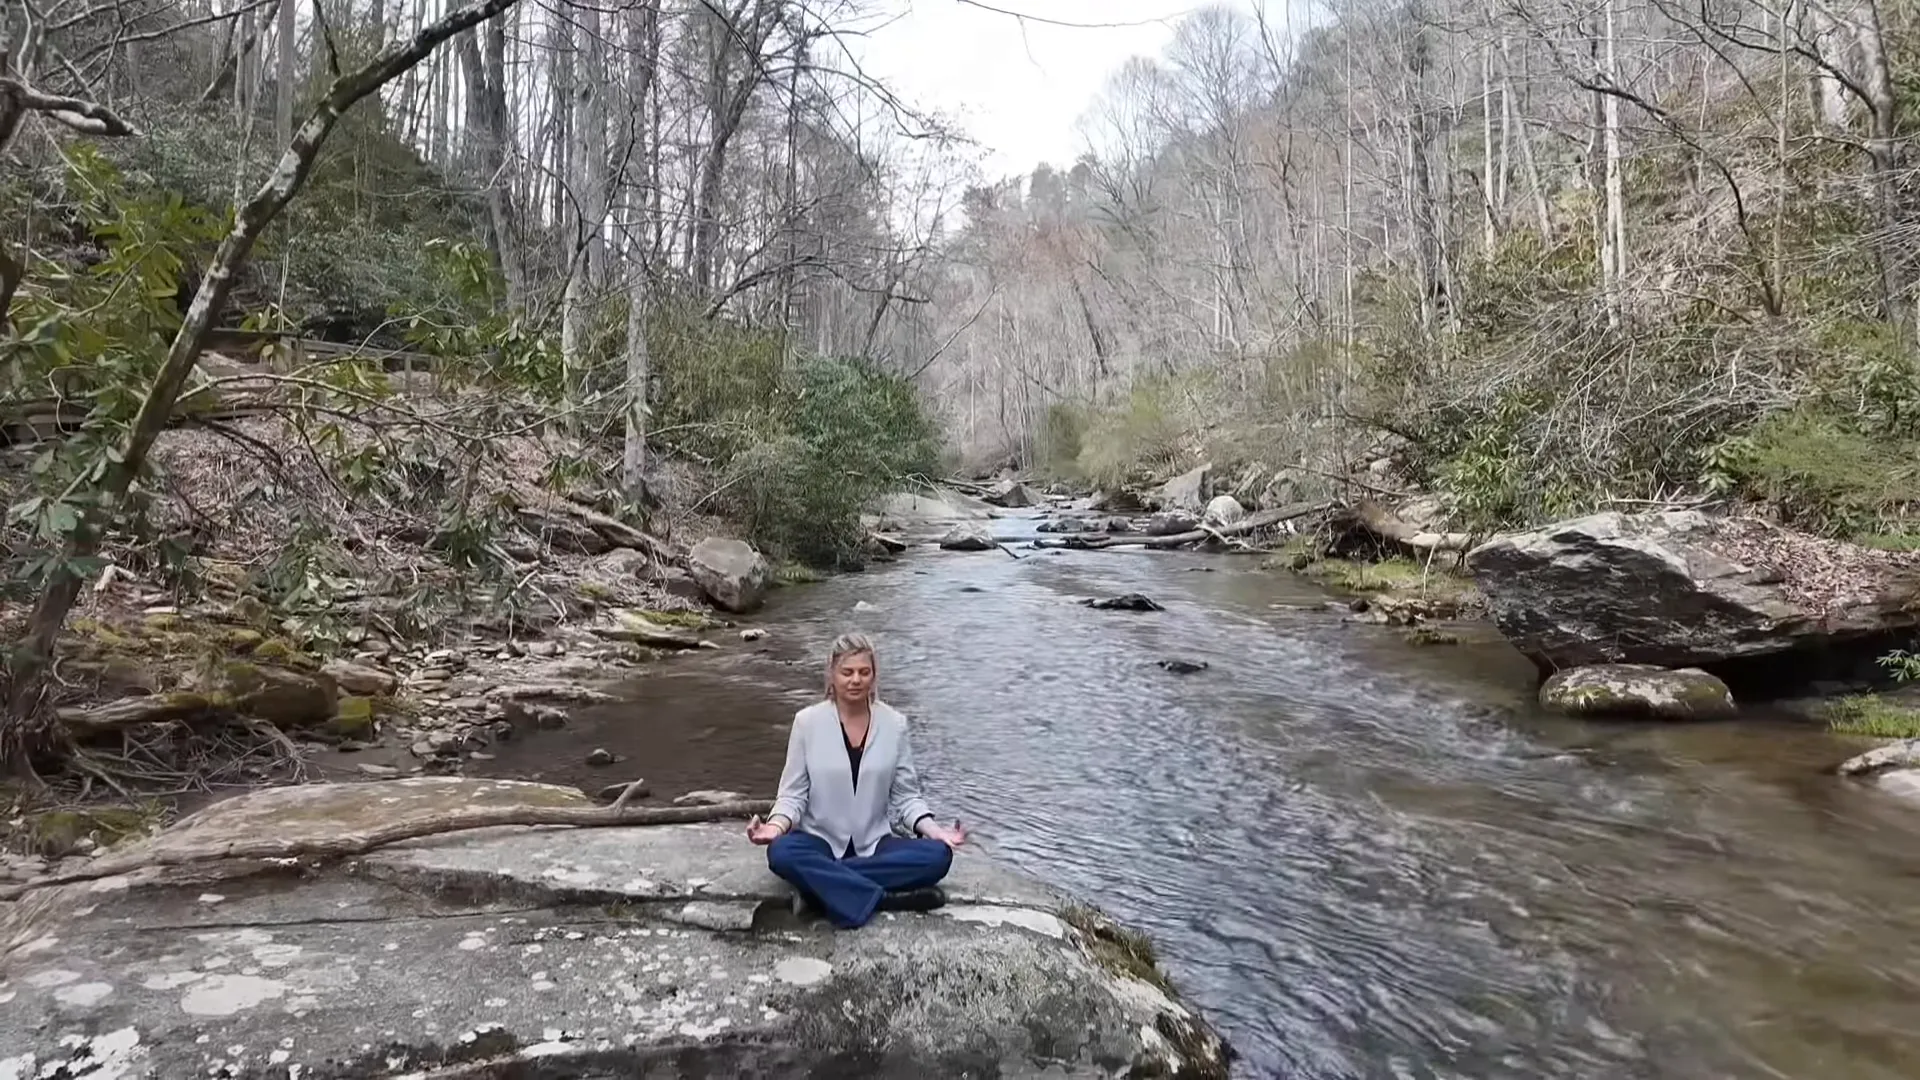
[(1637, 690)]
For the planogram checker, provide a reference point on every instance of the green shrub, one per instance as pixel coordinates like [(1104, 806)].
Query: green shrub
[(1062, 435), (1819, 471), (1145, 433), (851, 433)]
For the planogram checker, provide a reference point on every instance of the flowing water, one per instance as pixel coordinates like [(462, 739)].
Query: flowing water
[(1360, 857)]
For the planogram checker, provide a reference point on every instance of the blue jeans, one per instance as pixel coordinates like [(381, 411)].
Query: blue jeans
[(849, 890)]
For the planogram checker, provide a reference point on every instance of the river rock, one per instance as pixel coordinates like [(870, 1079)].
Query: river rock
[(1127, 602), (1014, 495), (538, 952), (1899, 754), (1184, 667), (1223, 510), (731, 573), (1188, 491), (968, 536), (1679, 589), (1637, 690), (362, 679)]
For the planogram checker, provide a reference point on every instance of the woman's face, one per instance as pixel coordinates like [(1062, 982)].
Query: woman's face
[(853, 677)]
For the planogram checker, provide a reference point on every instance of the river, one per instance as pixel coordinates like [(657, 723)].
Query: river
[(1361, 857)]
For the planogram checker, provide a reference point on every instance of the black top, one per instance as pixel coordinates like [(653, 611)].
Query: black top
[(854, 752)]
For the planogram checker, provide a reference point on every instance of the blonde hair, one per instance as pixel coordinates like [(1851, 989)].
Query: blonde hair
[(851, 645)]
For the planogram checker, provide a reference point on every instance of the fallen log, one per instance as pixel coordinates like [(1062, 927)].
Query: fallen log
[(1252, 522), (1369, 516), (86, 723), (361, 842)]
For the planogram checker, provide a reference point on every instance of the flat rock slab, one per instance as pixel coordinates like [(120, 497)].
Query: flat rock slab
[(712, 862), (547, 952)]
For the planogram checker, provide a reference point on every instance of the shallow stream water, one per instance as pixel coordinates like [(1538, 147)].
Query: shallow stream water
[(1359, 856)]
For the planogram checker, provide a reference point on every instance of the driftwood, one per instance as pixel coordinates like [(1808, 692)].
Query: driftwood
[(359, 843), (1369, 516), (1260, 520)]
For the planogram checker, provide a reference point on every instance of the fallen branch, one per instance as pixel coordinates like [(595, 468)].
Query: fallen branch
[(359, 843)]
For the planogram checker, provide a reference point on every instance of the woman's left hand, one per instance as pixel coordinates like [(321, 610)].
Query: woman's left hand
[(952, 836)]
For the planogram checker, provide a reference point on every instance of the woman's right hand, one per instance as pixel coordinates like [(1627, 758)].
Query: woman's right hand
[(763, 832)]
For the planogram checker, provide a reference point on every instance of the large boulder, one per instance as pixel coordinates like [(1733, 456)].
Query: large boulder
[(731, 573), (1188, 491), (1637, 691), (1223, 510), (666, 950), (1014, 494), (1681, 589), (920, 512), (968, 536)]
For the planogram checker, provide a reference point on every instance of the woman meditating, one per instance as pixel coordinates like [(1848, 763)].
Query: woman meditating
[(849, 780)]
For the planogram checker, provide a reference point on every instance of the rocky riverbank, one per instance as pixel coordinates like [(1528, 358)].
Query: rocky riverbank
[(556, 952)]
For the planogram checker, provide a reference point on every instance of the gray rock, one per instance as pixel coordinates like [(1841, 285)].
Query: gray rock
[(380, 772), (1637, 690), (1901, 754), (555, 953), (1223, 510), (362, 679), (1189, 491), (1681, 589), (731, 573), (1184, 667), (1014, 494), (600, 757), (968, 536)]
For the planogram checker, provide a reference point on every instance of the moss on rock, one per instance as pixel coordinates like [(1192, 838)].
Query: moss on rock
[(353, 718), (1637, 690)]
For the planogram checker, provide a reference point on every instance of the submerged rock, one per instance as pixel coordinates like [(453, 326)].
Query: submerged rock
[(565, 952), (731, 573), (1127, 602), (1637, 690), (1681, 589)]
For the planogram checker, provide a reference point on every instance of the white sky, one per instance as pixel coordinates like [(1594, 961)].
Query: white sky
[(1016, 86)]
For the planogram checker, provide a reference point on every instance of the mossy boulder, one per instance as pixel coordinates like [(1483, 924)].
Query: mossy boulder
[(1637, 691)]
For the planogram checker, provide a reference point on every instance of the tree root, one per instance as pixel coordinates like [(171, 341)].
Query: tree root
[(359, 843)]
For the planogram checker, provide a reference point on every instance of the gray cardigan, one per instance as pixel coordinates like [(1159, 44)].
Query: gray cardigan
[(816, 786)]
